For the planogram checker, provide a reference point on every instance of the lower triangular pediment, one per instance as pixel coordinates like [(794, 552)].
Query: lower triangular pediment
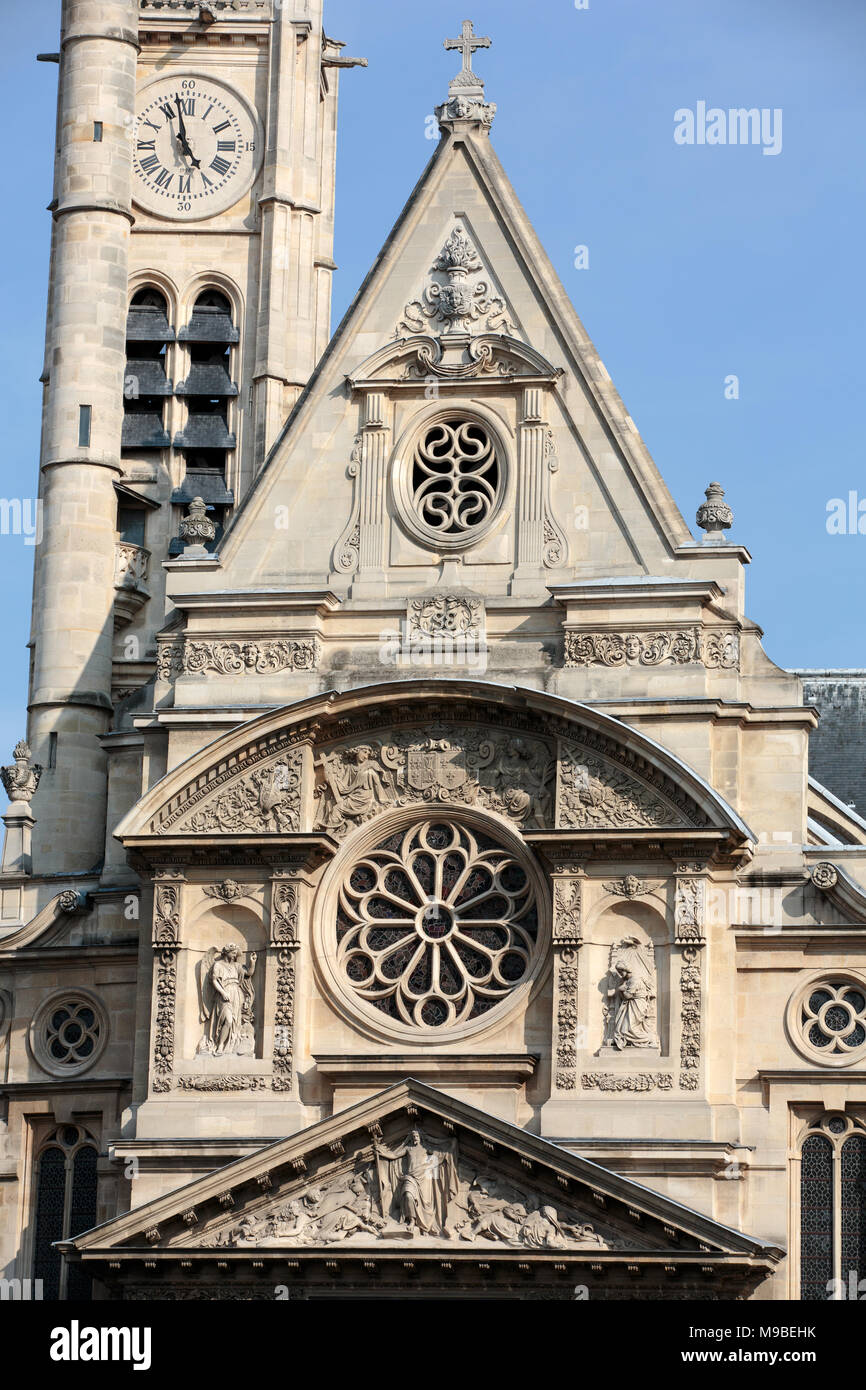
[(413, 1175)]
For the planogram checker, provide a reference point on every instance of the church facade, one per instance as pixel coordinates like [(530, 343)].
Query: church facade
[(413, 880)]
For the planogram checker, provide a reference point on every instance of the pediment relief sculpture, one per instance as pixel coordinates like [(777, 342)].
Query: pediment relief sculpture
[(418, 1190), (264, 799), (460, 293), (595, 792), (506, 773), (537, 769)]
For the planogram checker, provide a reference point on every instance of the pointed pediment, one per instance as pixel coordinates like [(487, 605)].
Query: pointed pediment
[(461, 299), (413, 1171)]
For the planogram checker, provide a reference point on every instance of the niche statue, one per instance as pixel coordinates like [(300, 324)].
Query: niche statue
[(631, 995), (227, 999)]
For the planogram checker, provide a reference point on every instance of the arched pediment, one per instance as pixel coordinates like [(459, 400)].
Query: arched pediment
[(486, 356), (325, 765)]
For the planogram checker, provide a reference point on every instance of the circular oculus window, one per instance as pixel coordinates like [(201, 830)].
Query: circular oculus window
[(450, 481), (826, 1019), (68, 1033), (433, 929)]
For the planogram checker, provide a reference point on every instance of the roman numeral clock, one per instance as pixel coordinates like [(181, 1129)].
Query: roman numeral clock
[(196, 147)]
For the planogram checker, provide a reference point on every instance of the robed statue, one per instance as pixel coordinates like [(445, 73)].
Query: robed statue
[(227, 999), (631, 994), (417, 1181)]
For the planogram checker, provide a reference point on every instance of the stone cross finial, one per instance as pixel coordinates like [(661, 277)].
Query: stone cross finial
[(467, 44)]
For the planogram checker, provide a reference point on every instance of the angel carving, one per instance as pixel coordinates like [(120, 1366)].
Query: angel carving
[(227, 998)]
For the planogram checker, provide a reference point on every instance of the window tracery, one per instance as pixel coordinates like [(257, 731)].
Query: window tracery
[(833, 1209), (436, 925)]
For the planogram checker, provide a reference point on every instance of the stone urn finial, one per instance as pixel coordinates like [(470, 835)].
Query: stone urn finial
[(196, 528), (714, 516), (21, 778)]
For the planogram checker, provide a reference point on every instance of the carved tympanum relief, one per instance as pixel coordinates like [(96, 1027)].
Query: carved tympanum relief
[(630, 1009), (264, 799), (536, 773), (420, 1189), (509, 774), (459, 295), (227, 997), (436, 925), (594, 792)]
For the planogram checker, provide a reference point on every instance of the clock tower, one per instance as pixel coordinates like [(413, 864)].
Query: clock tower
[(189, 301)]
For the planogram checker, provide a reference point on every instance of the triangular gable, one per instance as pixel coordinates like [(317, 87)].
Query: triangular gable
[(467, 1184), (602, 460)]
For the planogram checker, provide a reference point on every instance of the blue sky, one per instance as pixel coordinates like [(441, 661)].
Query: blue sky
[(704, 261)]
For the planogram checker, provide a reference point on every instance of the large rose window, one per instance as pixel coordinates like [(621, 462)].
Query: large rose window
[(436, 925)]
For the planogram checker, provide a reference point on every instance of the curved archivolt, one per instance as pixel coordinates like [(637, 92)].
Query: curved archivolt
[(436, 925)]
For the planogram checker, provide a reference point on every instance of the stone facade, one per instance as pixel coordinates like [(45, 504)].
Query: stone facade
[(431, 756)]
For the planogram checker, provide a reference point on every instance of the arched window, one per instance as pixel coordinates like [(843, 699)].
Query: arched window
[(146, 385), (833, 1209), (65, 1205), (206, 439)]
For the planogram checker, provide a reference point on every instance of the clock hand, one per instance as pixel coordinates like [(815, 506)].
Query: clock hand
[(182, 137)]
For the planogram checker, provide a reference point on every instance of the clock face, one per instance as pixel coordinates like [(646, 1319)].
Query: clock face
[(196, 147)]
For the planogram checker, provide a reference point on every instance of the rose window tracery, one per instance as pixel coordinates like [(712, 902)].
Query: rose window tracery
[(436, 925), (834, 1017), (455, 477)]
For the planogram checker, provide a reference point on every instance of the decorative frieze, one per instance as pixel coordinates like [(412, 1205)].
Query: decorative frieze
[(226, 1082), (715, 648), (627, 1081), (195, 658)]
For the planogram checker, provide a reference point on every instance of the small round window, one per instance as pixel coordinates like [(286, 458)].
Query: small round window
[(68, 1033), (827, 1019), (450, 482)]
